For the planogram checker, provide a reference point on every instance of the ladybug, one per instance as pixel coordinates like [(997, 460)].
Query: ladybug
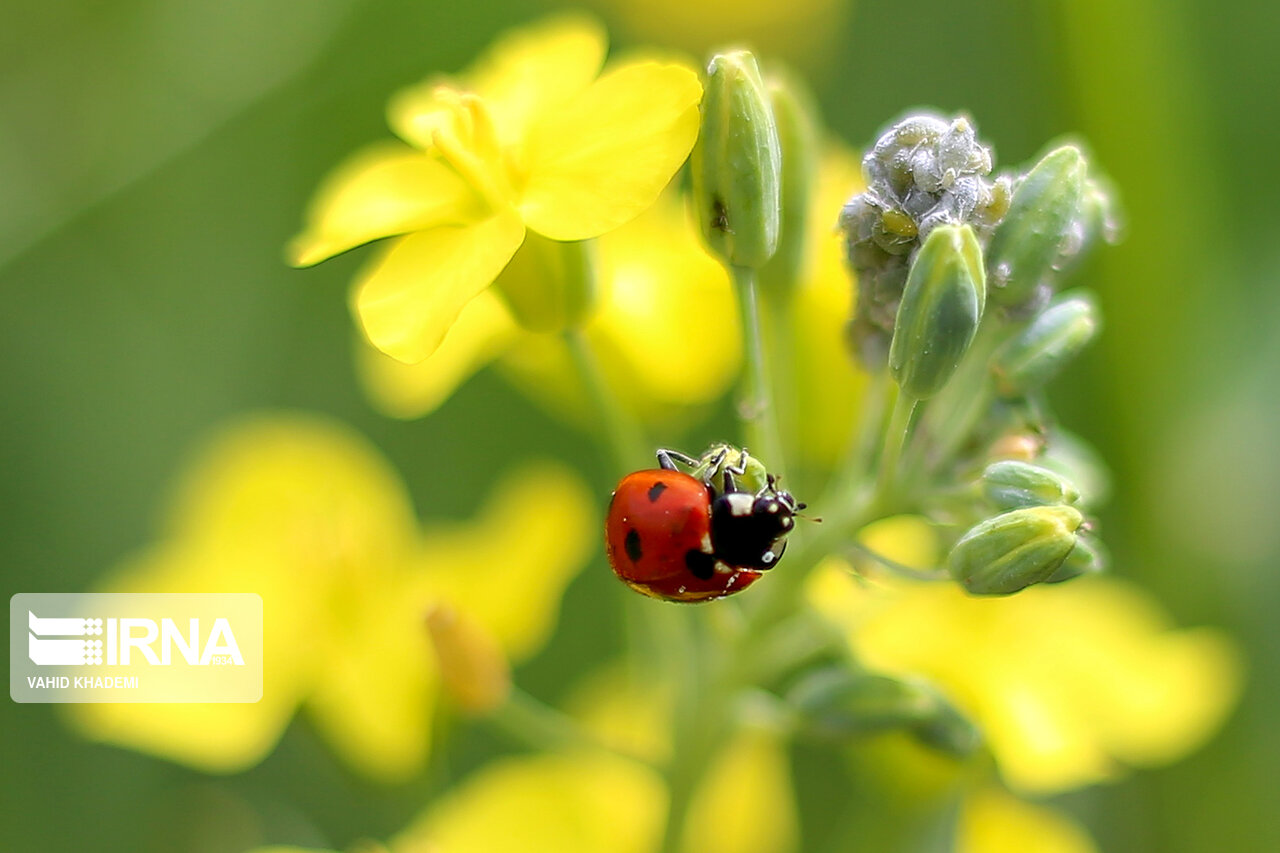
[(675, 536)]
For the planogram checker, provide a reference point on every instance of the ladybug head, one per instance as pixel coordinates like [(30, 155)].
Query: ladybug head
[(749, 530)]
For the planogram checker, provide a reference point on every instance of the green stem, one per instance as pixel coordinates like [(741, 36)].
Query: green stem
[(778, 326), (894, 567), (953, 414), (895, 438), (543, 727), (697, 727), (756, 408), (624, 437)]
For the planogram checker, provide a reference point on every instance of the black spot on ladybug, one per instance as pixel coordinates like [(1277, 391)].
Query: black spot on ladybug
[(700, 564), (656, 490), (632, 544)]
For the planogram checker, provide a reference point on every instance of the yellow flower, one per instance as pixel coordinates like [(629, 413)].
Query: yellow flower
[(665, 331), (586, 802), (1067, 681), (532, 137), (828, 386), (306, 514), (747, 785), (580, 802), (992, 821)]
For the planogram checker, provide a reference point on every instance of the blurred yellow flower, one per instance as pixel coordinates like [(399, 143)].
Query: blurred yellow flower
[(591, 801), (828, 385), (747, 786), (992, 821), (1066, 681), (533, 137), (665, 331), (581, 802), (305, 513)]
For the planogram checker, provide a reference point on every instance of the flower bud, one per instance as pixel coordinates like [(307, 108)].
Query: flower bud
[(940, 309), (549, 285), (796, 121), (1027, 363), (1010, 552), (1020, 445), (1042, 216), (736, 163), (473, 669), (834, 703), (1089, 557), (1012, 485)]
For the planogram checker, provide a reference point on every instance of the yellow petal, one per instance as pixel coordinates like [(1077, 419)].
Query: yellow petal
[(748, 791), (482, 331), (1065, 681), (667, 310), (306, 514), (411, 297), (525, 72), (908, 540), (601, 158), (994, 822), (375, 693), (305, 491), (1179, 693), (646, 267), (545, 804), (507, 569), (382, 191), (829, 387), (213, 737)]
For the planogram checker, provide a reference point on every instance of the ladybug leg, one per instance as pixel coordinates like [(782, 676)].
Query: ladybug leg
[(712, 465), (667, 460), (732, 471)]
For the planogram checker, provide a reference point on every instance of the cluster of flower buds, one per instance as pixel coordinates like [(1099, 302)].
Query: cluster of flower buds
[(1039, 535), (925, 171), (945, 257)]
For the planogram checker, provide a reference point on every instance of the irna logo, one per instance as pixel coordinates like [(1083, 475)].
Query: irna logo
[(54, 641)]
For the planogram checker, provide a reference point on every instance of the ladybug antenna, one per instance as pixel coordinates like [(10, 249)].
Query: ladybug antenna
[(816, 519)]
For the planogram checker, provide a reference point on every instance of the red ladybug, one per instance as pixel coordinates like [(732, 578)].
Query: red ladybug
[(673, 536)]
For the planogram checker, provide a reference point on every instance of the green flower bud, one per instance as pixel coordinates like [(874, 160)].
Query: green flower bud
[(1089, 557), (1027, 363), (796, 119), (835, 704), (1010, 552), (1011, 484), (736, 163), (550, 285), (1042, 216), (940, 309)]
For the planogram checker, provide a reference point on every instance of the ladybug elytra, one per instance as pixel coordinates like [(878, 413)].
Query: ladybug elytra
[(697, 536)]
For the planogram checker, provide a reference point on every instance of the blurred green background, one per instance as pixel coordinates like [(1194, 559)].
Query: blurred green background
[(155, 155)]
